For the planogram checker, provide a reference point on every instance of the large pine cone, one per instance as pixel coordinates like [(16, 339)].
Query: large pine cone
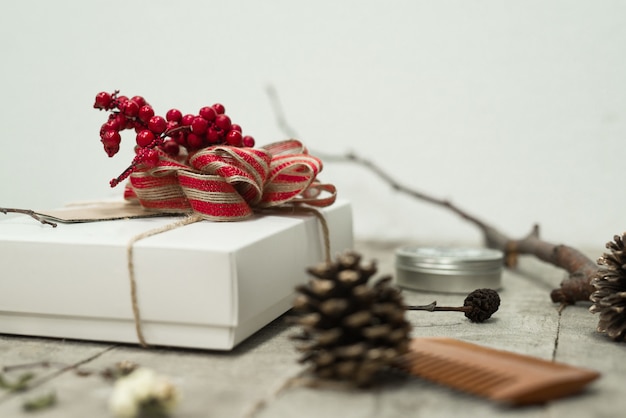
[(609, 298), (350, 330)]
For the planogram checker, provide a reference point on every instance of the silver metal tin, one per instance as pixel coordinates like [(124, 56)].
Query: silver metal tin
[(454, 270)]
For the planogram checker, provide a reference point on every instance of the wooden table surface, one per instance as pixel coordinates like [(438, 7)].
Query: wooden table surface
[(251, 381)]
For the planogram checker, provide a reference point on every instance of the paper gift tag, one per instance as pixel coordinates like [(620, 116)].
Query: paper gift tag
[(100, 211)]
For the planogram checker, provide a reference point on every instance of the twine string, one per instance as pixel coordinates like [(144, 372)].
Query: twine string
[(224, 183), (131, 267), (193, 218), (325, 229)]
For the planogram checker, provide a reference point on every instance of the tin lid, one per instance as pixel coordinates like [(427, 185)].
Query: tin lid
[(448, 269), (469, 260)]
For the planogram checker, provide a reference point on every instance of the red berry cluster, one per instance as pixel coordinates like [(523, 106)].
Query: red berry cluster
[(173, 135)]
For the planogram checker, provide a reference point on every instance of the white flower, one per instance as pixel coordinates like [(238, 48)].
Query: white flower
[(143, 388), (123, 403), (166, 393)]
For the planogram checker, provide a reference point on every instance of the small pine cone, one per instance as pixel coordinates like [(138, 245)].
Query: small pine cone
[(484, 303), (609, 297), (350, 330)]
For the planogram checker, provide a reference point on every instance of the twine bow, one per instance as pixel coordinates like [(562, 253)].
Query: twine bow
[(224, 183)]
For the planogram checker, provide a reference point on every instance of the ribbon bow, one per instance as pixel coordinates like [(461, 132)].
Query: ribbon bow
[(224, 183)]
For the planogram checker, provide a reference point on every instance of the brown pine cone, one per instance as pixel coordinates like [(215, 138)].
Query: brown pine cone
[(484, 303), (350, 330), (609, 298)]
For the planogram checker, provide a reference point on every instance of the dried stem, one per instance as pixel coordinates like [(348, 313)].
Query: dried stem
[(430, 307), (114, 182), (433, 307), (581, 269), (44, 364), (453, 308), (174, 130), (34, 383), (478, 306), (30, 213)]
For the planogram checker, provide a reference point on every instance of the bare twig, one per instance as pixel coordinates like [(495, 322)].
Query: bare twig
[(44, 364), (580, 268), (34, 383), (432, 307), (30, 213), (281, 121)]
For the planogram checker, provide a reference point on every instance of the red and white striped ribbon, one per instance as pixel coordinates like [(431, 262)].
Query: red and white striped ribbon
[(224, 183)]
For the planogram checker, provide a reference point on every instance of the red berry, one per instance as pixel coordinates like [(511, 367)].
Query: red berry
[(113, 124), (103, 100), (171, 147), (122, 121), (223, 122), (130, 124), (234, 138), (199, 125), (208, 113), (171, 125), (139, 100), (129, 108), (111, 149), (145, 138), (119, 102), (157, 124), (173, 115), (213, 136), (195, 141), (109, 125), (145, 113), (187, 120), (111, 142), (219, 108), (149, 157), (248, 141), (111, 138), (180, 137), (235, 127)]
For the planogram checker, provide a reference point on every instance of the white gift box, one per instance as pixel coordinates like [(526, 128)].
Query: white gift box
[(205, 285)]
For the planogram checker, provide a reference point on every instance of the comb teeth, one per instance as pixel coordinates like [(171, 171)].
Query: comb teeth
[(466, 377), (493, 374)]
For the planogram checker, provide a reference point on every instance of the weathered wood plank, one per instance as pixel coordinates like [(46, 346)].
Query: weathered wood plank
[(249, 378)]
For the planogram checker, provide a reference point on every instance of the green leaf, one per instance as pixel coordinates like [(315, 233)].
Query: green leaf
[(41, 402), (19, 385)]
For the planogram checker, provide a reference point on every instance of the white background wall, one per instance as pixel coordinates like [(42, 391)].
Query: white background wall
[(515, 110)]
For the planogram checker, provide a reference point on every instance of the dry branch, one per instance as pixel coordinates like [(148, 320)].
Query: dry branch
[(30, 213), (581, 269)]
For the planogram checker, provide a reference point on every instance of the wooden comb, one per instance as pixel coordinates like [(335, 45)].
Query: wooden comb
[(494, 374)]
